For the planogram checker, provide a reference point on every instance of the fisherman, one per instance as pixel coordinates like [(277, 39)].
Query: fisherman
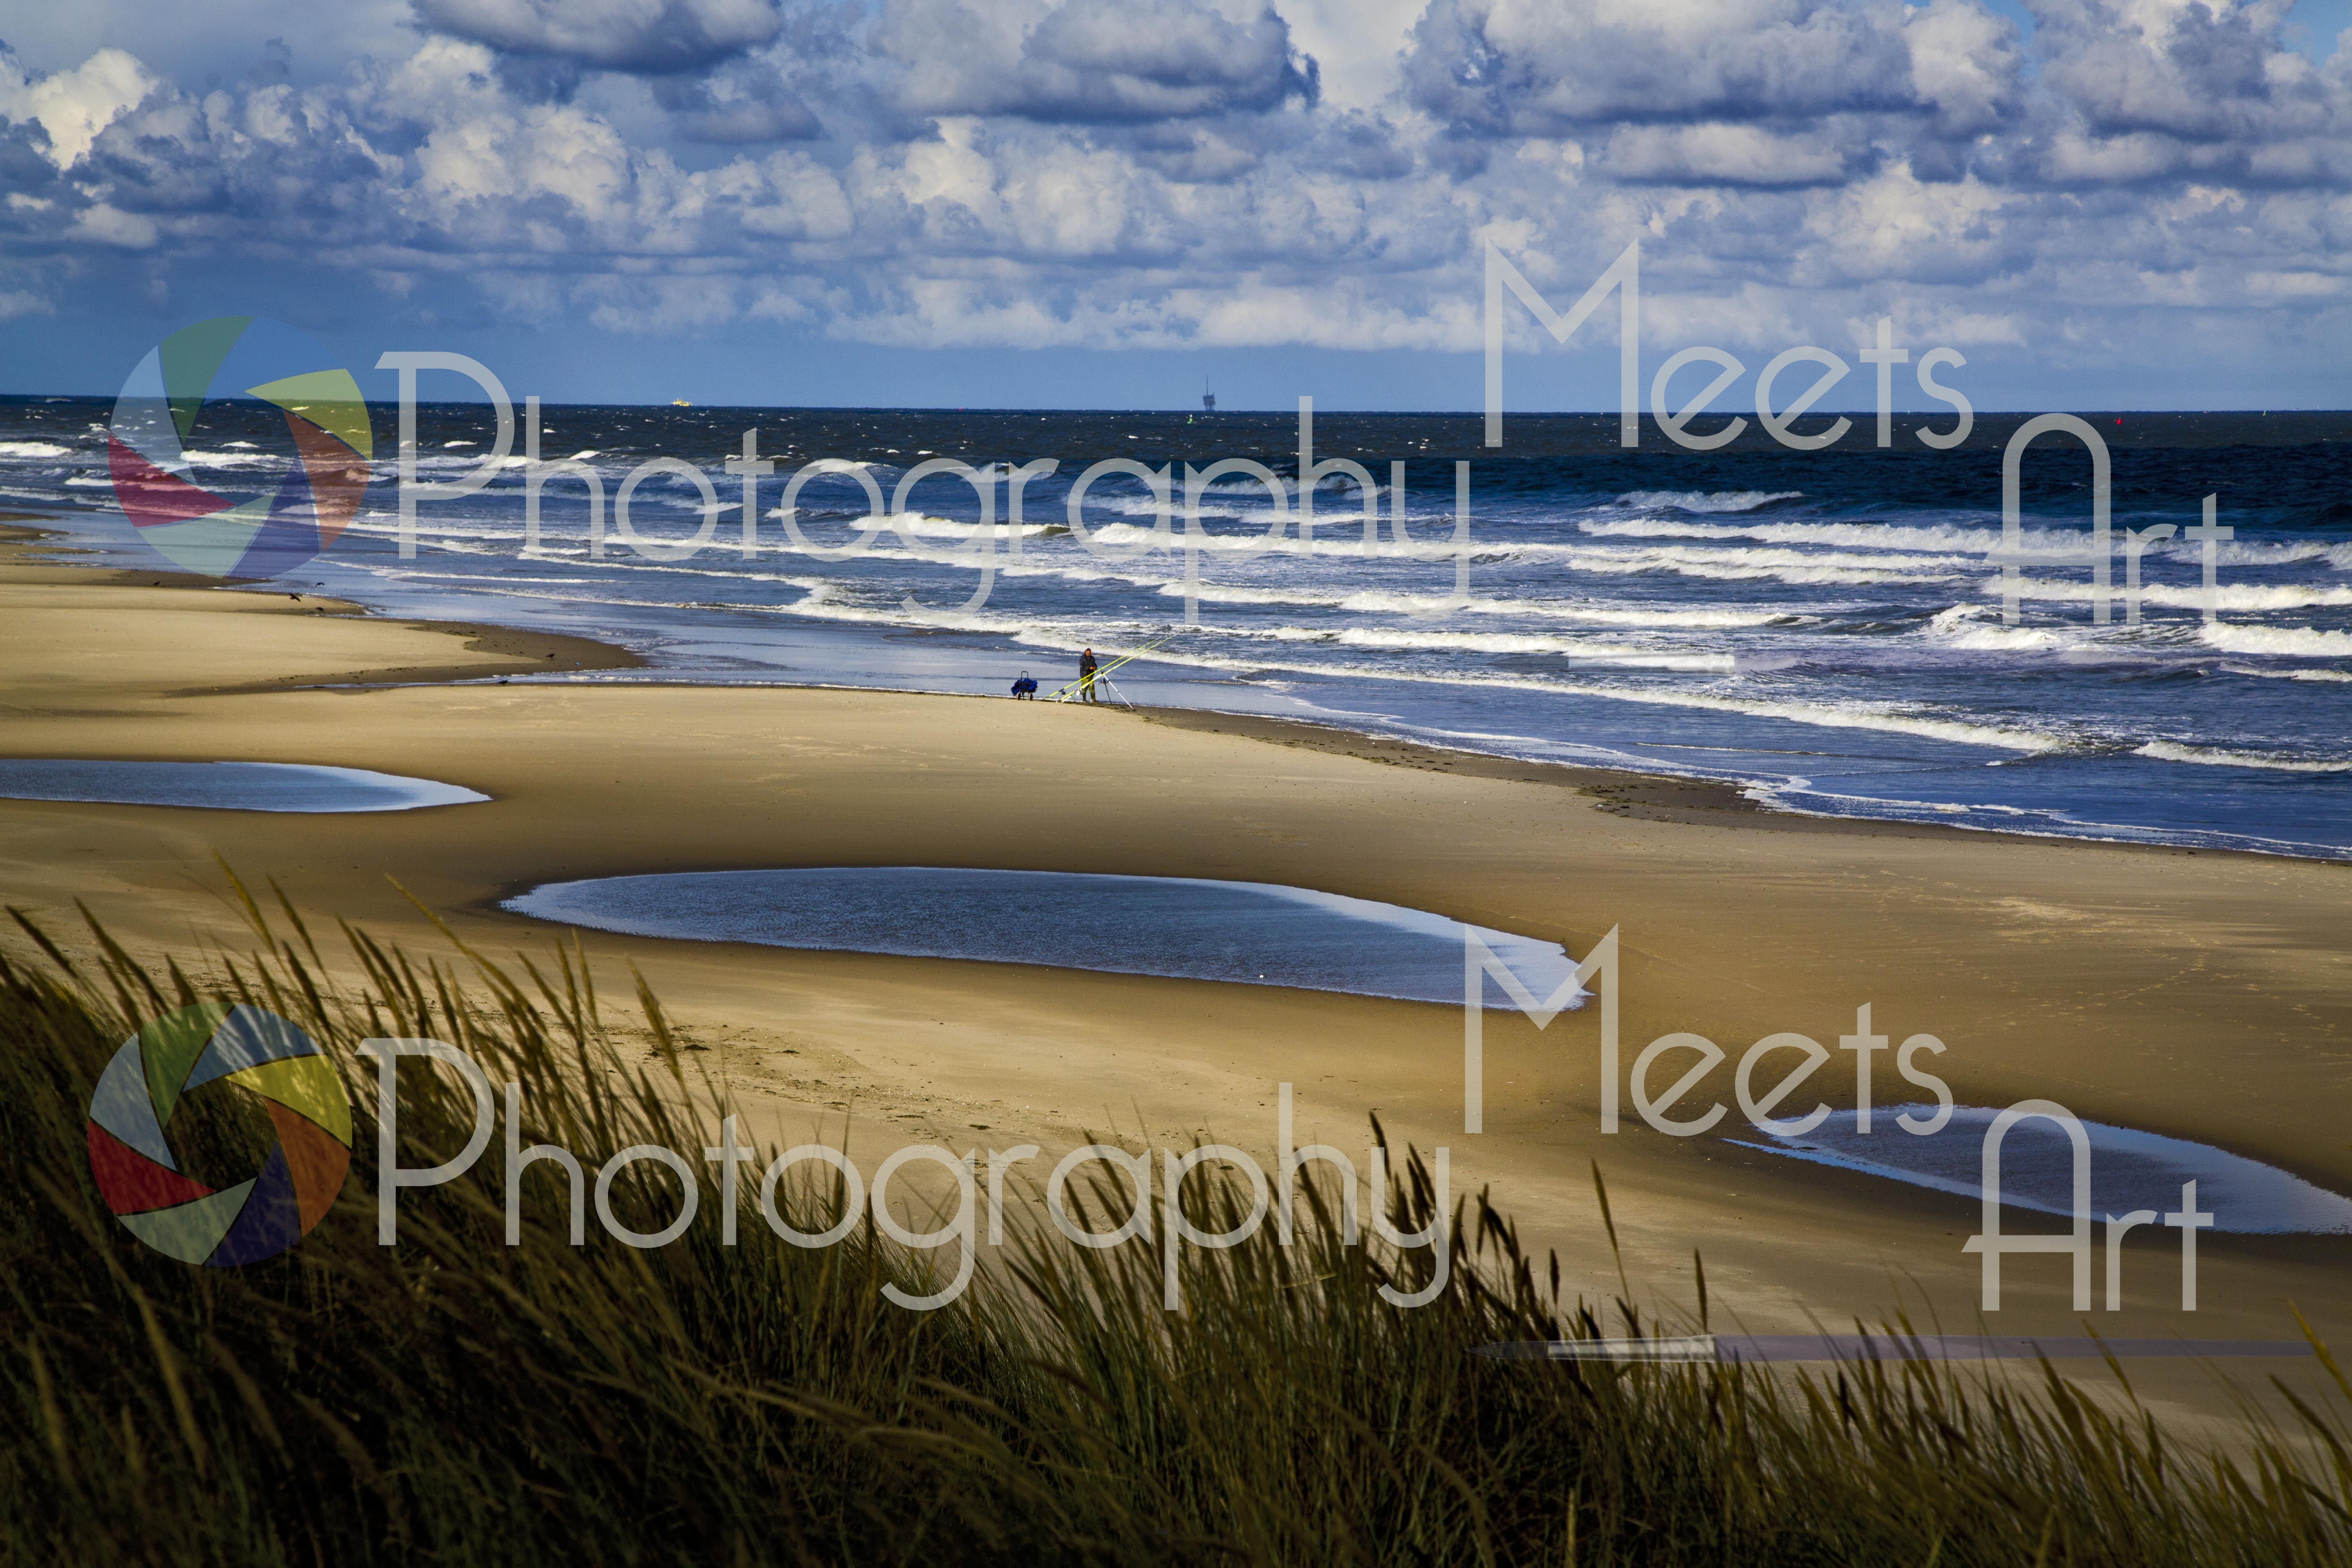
[(1087, 676)]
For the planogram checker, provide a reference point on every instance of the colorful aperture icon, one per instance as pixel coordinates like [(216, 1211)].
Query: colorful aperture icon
[(238, 448), (220, 1134)]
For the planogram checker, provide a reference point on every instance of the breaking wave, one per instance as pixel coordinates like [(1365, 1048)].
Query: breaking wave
[(2292, 642), (2214, 757), (1707, 500)]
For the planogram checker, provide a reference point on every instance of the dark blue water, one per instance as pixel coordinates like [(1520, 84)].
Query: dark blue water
[(223, 786), (1825, 627), (1251, 934)]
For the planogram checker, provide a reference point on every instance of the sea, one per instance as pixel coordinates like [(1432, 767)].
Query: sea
[(1843, 631)]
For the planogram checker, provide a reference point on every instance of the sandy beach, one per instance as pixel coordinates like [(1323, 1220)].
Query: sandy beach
[(2198, 994)]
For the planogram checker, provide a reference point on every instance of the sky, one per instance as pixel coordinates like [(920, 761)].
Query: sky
[(1113, 204)]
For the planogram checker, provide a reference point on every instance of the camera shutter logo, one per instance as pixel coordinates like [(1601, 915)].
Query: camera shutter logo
[(262, 506), (219, 1135)]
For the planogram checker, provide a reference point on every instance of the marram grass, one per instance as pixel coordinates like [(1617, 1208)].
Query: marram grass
[(456, 1400)]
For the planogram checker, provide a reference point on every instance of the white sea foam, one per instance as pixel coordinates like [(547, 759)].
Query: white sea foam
[(1707, 501), (1127, 538), (34, 449), (1662, 616), (1522, 642), (2319, 675), (2291, 642), (1773, 556), (928, 527), (1749, 565), (1381, 601), (1338, 540), (824, 602), (2173, 751), (228, 459), (1959, 628), (1882, 716), (1872, 536), (1375, 601), (2249, 596), (2187, 596), (2055, 543), (2246, 552)]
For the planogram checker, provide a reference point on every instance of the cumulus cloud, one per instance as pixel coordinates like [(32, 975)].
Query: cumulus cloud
[(1164, 173), (1727, 154), (1964, 64), (72, 106), (737, 106), (2157, 89), (1092, 61), (1540, 67), (649, 36), (271, 149)]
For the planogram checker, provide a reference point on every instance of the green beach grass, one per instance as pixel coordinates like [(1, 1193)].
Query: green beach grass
[(457, 1400)]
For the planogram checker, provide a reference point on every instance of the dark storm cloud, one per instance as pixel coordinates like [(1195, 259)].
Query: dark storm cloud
[(654, 36), (1536, 67), (1094, 61)]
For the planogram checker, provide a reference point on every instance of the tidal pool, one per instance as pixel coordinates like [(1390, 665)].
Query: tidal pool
[(2129, 1169), (1252, 933), (223, 786)]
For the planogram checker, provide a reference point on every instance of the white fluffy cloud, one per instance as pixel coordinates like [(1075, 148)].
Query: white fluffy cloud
[(1166, 173), (2157, 89), (72, 107)]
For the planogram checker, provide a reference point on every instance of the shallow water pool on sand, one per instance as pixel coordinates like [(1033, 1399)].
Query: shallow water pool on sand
[(223, 786), (2129, 1169), (1255, 933)]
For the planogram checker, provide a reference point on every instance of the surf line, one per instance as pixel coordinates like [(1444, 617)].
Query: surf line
[(1286, 508)]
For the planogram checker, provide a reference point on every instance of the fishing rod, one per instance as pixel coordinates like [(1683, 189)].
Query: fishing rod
[(1072, 691)]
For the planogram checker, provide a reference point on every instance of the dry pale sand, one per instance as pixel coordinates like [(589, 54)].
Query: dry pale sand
[(2201, 995)]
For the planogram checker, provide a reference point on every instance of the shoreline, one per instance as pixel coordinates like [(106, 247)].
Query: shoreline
[(507, 650), (1644, 796), (1624, 792)]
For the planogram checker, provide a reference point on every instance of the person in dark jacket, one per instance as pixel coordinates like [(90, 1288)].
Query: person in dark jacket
[(1087, 676)]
